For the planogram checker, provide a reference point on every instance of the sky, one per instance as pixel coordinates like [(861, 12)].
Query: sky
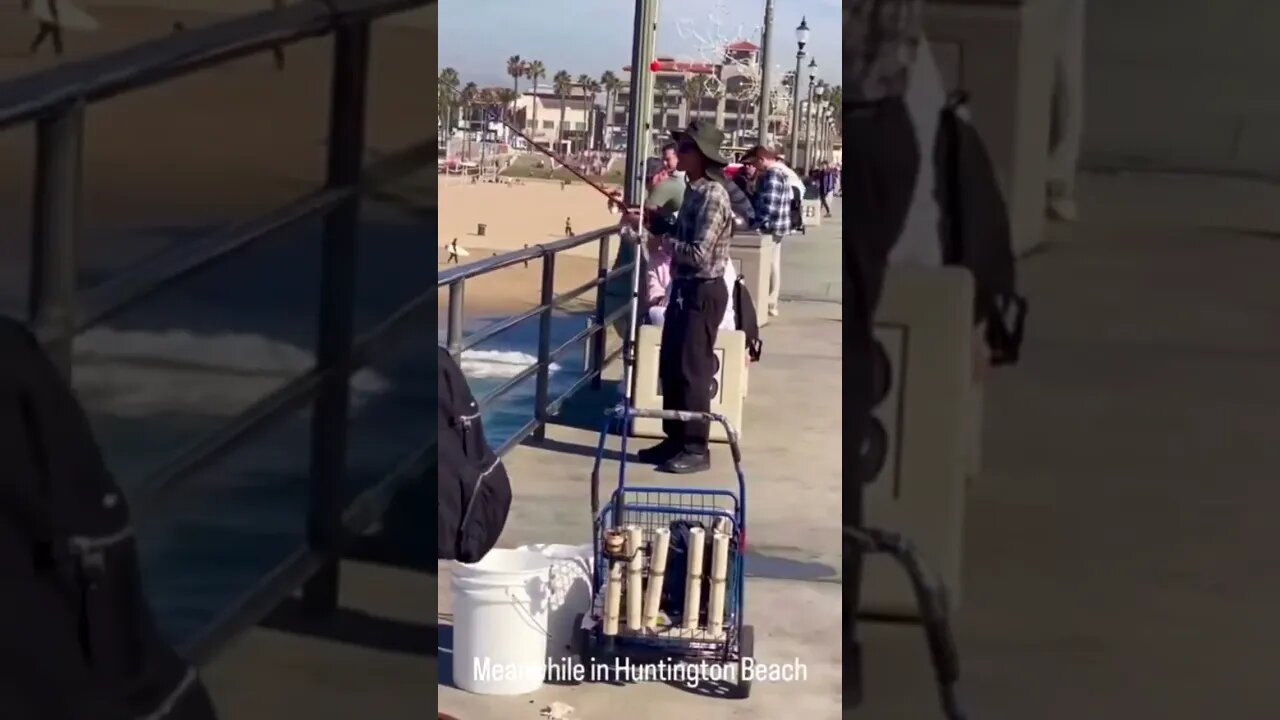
[(591, 36)]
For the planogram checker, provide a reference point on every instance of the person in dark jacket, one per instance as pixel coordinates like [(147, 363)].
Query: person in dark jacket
[(744, 214), (745, 179), (880, 46)]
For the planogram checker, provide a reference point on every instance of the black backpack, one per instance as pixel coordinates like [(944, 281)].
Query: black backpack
[(797, 210), (743, 210), (673, 591), (975, 229), (474, 490), (745, 318), (77, 638)]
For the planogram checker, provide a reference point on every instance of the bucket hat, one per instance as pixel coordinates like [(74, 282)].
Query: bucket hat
[(706, 137)]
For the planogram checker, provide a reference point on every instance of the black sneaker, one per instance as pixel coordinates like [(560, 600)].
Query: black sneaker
[(659, 453), (687, 462)]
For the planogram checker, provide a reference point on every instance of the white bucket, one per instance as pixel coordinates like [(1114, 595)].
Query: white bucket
[(571, 567), (500, 623)]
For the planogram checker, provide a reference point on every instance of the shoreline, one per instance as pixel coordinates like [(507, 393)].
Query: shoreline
[(516, 216)]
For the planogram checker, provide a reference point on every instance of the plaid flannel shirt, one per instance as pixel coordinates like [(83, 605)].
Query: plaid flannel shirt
[(881, 38), (773, 203), (700, 246)]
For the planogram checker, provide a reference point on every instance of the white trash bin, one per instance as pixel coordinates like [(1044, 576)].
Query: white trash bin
[(571, 568), (500, 608)]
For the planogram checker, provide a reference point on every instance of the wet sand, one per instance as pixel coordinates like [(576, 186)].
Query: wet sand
[(517, 215)]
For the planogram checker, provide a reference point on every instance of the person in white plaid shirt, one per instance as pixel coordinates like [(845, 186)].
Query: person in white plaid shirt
[(773, 212)]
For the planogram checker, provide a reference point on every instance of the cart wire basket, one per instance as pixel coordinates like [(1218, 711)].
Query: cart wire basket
[(653, 508)]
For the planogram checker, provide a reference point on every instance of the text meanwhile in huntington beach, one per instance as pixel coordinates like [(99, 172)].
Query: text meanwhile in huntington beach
[(688, 674)]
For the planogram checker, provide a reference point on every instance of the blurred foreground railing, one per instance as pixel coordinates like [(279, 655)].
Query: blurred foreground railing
[(56, 100), (595, 332)]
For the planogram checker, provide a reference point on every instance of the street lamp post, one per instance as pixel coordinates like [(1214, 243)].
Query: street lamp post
[(808, 147), (825, 127), (815, 103), (766, 74), (802, 37)]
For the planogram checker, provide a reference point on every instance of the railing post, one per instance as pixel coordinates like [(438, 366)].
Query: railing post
[(543, 382), (601, 334), (56, 225), (457, 296), (329, 418)]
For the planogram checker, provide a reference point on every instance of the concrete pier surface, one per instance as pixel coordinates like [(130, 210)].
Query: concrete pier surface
[(1120, 537), (792, 460)]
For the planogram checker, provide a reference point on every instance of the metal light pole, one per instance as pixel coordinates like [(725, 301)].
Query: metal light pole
[(824, 156), (639, 115), (808, 147), (766, 74), (802, 37), (815, 103), (639, 119)]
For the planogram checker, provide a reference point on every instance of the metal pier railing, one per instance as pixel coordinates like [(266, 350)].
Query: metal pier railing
[(595, 333), (56, 100)]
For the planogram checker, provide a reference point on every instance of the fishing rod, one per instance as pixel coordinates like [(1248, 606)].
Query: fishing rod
[(499, 115)]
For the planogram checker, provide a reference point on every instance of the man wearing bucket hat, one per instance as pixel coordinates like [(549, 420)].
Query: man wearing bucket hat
[(699, 248)]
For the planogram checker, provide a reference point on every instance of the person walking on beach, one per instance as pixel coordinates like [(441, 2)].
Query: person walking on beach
[(773, 202), (49, 27), (453, 253), (699, 250)]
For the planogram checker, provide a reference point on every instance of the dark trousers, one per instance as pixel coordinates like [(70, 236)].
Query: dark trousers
[(881, 161), (687, 363), (48, 30)]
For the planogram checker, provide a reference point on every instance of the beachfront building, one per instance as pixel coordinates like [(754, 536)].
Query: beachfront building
[(679, 96), (581, 118)]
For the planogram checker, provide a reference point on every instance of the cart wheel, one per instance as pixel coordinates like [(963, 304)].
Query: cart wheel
[(583, 645), (746, 651)]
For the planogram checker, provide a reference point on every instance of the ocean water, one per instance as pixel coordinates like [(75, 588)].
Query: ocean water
[(501, 358), (168, 372)]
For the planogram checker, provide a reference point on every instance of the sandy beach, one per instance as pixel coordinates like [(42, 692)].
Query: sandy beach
[(516, 215)]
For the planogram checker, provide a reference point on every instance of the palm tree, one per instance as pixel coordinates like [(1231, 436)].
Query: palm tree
[(715, 91), (515, 69), (835, 101), (504, 98), (446, 95), (467, 99), (695, 88), (591, 89), (535, 71), (562, 83), (610, 83), (661, 92)]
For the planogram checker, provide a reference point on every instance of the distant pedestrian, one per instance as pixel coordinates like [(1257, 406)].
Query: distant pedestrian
[(1067, 125), (48, 22), (277, 51), (453, 253), (568, 228), (774, 206)]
